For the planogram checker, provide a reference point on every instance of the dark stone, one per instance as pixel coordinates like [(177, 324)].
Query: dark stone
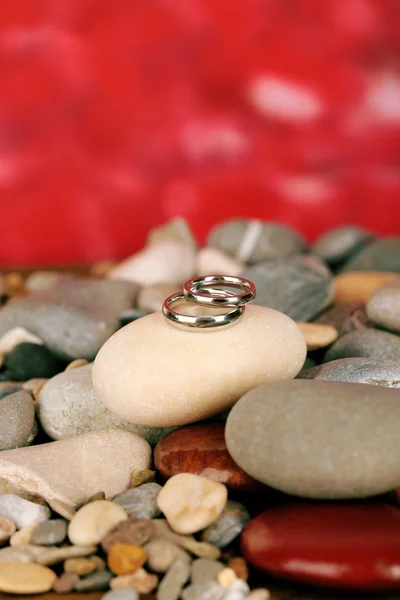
[(28, 360), (370, 371), (380, 255), (339, 244), (369, 343), (346, 317)]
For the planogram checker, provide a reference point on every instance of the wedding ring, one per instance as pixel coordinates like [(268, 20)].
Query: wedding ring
[(198, 322), (199, 290)]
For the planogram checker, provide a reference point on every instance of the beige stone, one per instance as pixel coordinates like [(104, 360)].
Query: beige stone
[(67, 472), (52, 556), (201, 549), (162, 553), (318, 335), (151, 297), (226, 577), (39, 281), (212, 260), (7, 529), (142, 581), (198, 373), (190, 502), (259, 594), (358, 286), (93, 521), (175, 229), (78, 362), (25, 578), (23, 536), (80, 566), (16, 336)]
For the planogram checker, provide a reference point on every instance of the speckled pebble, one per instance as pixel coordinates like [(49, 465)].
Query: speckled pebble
[(140, 502), (94, 521), (17, 416), (228, 526), (65, 583), (371, 371), (95, 582), (162, 553), (369, 343), (204, 569), (383, 308), (130, 531), (7, 529), (50, 533), (22, 512), (173, 581), (79, 566)]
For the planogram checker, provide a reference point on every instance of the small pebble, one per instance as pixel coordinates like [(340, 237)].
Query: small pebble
[(346, 317), (17, 417), (162, 553), (22, 512), (78, 362), (318, 335), (93, 521), (383, 308), (211, 590), (22, 553), (371, 371), (380, 255), (94, 583), (238, 590), (201, 549), (125, 558), (6, 389), (367, 343), (25, 578), (98, 562), (213, 260), (96, 496), (340, 243), (121, 594), (7, 529), (359, 286), (175, 229), (259, 594), (79, 566), (29, 360), (52, 556), (228, 526), (50, 533), (239, 565), (130, 531), (42, 280), (138, 478), (140, 502), (16, 336), (173, 581), (142, 581), (226, 577), (190, 502), (22, 536), (205, 569), (65, 583)]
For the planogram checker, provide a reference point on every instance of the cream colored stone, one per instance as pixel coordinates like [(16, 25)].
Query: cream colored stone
[(7, 529), (162, 553), (212, 260), (15, 336), (152, 373), (175, 229), (25, 578), (191, 502), (201, 549), (38, 281), (226, 577), (80, 566), (151, 297), (93, 521), (259, 594), (318, 335), (23, 536), (78, 362), (167, 261), (68, 472)]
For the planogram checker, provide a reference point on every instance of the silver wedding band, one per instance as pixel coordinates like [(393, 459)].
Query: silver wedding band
[(198, 291)]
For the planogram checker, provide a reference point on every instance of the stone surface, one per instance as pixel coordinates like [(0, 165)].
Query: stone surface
[(74, 318), (93, 521), (318, 439), (130, 531), (367, 343), (210, 590), (68, 405), (175, 229), (22, 512), (142, 581), (17, 415), (201, 449), (121, 594), (358, 544), (371, 371), (66, 473), (140, 502), (358, 286), (20, 578), (16, 336), (94, 582), (213, 260), (238, 590), (22, 536), (201, 549), (228, 526), (383, 308), (6, 389), (340, 243), (78, 362), (43, 280), (162, 553), (226, 577), (7, 529), (65, 583), (50, 533), (79, 566), (347, 317), (52, 556), (123, 373), (167, 261), (125, 558), (150, 298), (259, 594), (318, 335), (300, 286), (191, 503), (380, 255), (173, 581), (204, 569), (253, 241)]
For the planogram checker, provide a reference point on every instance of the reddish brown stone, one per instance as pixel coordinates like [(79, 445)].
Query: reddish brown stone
[(201, 449), (336, 545)]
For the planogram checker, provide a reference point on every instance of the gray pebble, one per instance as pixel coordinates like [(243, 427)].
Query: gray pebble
[(17, 416), (300, 286), (380, 255), (228, 526), (368, 343), (370, 371), (22, 512), (162, 553), (205, 569), (140, 502), (75, 317), (346, 317), (22, 553), (204, 591), (122, 594), (383, 308), (53, 555), (173, 581), (95, 582), (252, 241), (68, 406), (50, 533), (318, 439), (339, 244)]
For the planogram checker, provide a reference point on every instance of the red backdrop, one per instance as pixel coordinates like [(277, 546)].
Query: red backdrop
[(117, 115)]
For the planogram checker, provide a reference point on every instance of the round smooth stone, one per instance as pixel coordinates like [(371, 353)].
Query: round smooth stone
[(131, 531), (318, 439), (93, 521), (17, 415), (22, 512), (25, 578), (367, 343), (359, 286), (94, 582), (190, 503), (213, 260), (140, 502), (383, 308), (29, 360), (123, 559), (341, 243), (299, 286), (205, 569), (6, 389), (252, 241), (50, 533), (336, 545), (162, 553), (379, 255), (371, 371), (201, 449), (199, 374), (347, 317), (318, 335)]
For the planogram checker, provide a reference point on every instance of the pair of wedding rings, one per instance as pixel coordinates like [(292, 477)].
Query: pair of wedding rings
[(201, 291)]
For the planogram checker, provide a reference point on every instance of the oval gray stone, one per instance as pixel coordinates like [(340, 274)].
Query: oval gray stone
[(370, 371), (340, 243), (17, 416), (253, 241), (22, 512), (140, 502), (300, 286), (383, 308), (94, 582), (50, 533), (205, 569), (368, 343), (380, 255), (68, 405), (318, 439)]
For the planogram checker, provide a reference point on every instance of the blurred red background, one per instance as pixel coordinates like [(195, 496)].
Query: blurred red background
[(118, 115)]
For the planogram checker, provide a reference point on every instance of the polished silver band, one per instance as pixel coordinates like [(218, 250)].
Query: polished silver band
[(199, 322)]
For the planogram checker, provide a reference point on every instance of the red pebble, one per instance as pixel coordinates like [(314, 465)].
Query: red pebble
[(336, 545)]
